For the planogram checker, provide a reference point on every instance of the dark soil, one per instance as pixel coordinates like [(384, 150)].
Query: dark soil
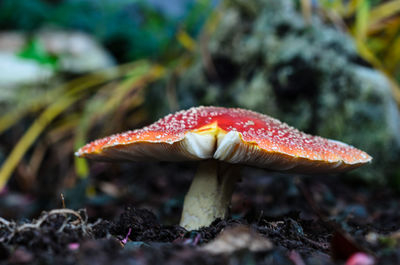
[(315, 220)]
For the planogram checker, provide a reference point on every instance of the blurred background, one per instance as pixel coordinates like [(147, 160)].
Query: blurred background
[(72, 71)]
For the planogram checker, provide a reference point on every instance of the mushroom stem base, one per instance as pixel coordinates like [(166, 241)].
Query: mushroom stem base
[(209, 195)]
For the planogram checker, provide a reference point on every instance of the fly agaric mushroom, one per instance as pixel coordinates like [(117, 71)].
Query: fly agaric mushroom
[(221, 137)]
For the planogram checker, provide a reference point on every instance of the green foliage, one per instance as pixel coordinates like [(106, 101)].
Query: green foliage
[(20, 14), (34, 50), (131, 29)]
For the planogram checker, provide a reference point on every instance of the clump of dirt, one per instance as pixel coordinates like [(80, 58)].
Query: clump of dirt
[(142, 225), (293, 232)]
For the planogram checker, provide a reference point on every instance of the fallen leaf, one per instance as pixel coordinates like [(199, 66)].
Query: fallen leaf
[(238, 238)]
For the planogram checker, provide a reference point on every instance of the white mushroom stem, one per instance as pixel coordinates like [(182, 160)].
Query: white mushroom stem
[(209, 195)]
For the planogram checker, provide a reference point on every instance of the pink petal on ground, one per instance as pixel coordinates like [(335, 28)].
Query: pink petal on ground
[(127, 237), (360, 258), (73, 246)]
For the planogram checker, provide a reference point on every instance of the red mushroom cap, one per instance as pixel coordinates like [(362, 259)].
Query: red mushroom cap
[(232, 135)]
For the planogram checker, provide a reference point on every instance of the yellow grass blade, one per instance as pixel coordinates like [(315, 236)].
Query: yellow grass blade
[(384, 11), (306, 10), (186, 41), (30, 136), (361, 23), (352, 7), (392, 58), (8, 119), (369, 56), (73, 93), (138, 77)]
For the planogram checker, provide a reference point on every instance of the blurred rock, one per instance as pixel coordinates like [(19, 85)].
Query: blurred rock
[(11, 41), (15, 71), (77, 52), (29, 63), (264, 56)]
